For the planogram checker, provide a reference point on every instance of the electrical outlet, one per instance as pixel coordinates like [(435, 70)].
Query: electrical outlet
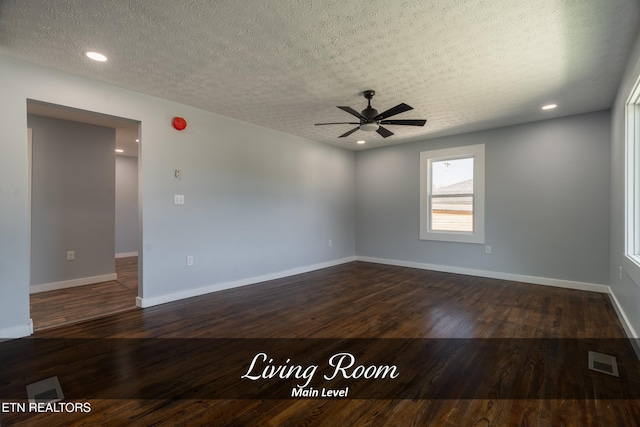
[(178, 199), (71, 255), (189, 260), (487, 249)]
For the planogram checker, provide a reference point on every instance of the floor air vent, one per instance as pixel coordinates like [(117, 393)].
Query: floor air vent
[(45, 391), (603, 363)]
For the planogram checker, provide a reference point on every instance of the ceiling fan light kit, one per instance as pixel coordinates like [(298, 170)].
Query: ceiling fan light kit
[(371, 121), (368, 127)]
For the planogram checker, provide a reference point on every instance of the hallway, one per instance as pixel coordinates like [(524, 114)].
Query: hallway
[(65, 306)]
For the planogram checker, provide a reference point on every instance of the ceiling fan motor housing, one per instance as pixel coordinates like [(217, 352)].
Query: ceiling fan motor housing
[(369, 113)]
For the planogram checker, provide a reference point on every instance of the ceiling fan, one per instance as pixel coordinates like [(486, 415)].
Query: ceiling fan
[(370, 120)]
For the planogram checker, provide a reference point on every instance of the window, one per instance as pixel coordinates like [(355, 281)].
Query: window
[(632, 196), (452, 194)]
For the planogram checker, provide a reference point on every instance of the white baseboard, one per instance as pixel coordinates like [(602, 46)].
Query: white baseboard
[(72, 283), (582, 286), (18, 331), (126, 254), (162, 299), (628, 329)]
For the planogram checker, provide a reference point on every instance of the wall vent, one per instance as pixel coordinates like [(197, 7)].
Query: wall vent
[(45, 391), (603, 363)]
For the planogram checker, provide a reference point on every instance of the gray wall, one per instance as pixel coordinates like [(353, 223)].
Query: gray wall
[(547, 201), (626, 291), (73, 200), (127, 234), (257, 201)]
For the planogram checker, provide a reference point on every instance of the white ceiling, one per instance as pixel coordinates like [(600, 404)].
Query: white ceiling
[(464, 65)]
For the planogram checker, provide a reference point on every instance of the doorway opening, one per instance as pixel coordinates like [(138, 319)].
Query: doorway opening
[(85, 228)]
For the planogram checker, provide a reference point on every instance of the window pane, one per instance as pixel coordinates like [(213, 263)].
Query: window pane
[(452, 176), (452, 194), (452, 213)]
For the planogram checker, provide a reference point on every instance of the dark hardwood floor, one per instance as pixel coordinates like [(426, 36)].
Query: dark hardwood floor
[(383, 304), (65, 306)]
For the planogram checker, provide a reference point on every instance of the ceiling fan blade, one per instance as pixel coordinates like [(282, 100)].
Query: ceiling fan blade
[(400, 108), (407, 122), (338, 123), (349, 133), (384, 132), (353, 112)]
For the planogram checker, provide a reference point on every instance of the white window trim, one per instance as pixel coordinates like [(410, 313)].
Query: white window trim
[(426, 159), (632, 184)]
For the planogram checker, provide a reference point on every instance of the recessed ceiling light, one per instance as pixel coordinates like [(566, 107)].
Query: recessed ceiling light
[(361, 142), (549, 107), (119, 150), (95, 56), (137, 140)]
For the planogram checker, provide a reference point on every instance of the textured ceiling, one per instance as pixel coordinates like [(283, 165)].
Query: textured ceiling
[(464, 65)]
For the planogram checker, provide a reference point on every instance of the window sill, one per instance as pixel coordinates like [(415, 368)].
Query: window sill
[(452, 237), (631, 265)]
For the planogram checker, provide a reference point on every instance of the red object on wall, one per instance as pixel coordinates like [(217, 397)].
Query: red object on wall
[(179, 123)]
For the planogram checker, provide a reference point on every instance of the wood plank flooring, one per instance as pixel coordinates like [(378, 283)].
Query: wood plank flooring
[(354, 301), (62, 307)]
